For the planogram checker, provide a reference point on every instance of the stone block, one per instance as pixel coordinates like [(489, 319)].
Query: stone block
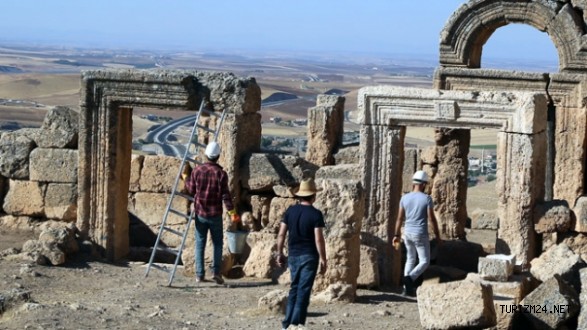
[(410, 167), (496, 267), (15, 149), (150, 208), (468, 255), (582, 322), (260, 263), (61, 201), (515, 289), (60, 129), (274, 302), (347, 172), (263, 171), (158, 174), (347, 155), (456, 305), (136, 165), (580, 211), (260, 206), (484, 219), (24, 198), (277, 209), (369, 268), (438, 274), (553, 216), (557, 301), (283, 191), (54, 165), (325, 129), (557, 260)]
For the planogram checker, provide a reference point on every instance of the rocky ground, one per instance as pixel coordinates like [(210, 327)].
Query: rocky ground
[(89, 294)]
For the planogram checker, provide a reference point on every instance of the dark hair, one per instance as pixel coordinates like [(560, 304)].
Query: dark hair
[(307, 198), (213, 159)]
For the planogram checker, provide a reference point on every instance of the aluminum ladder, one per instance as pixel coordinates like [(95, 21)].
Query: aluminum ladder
[(175, 193)]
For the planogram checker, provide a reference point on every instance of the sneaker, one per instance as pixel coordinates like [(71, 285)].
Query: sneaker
[(218, 279), (199, 279)]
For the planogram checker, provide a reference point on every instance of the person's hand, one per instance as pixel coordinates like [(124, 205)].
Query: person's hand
[(323, 266), (235, 218), (280, 259)]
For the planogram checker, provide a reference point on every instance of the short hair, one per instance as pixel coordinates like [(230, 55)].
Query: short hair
[(307, 198), (213, 159)]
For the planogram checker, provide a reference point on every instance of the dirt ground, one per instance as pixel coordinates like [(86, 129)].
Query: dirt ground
[(88, 294)]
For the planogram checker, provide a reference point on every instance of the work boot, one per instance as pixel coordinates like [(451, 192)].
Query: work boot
[(218, 279), (409, 288)]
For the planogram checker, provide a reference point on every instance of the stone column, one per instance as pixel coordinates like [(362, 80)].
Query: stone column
[(382, 149), (449, 190), (325, 128), (520, 176)]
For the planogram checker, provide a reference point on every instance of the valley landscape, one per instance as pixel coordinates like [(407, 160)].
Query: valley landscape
[(90, 294)]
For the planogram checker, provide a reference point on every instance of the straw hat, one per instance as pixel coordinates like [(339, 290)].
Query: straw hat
[(307, 188)]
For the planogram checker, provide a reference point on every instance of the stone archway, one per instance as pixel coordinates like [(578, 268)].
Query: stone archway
[(387, 111), (107, 99)]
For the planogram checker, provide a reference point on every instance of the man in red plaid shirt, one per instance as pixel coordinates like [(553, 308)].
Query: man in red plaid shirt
[(208, 183)]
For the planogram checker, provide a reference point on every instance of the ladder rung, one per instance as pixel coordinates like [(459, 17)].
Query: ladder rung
[(173, 231), (199, 144), (186, 196), (207, 129), (213, 113), (174, 211), (168, 250), (163, 268)]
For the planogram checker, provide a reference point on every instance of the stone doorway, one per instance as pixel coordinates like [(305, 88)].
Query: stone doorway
[(386, 112), (107, 99)]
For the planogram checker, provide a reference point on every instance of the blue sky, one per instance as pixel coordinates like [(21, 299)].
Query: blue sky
[(372, 26)]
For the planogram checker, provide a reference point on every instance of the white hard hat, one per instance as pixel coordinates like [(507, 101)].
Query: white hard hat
[(420, 177), (212, 150)]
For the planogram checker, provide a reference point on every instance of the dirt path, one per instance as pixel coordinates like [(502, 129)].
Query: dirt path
[(88, 294)]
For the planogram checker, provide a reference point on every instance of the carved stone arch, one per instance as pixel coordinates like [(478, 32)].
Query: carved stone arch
[(470, 26)]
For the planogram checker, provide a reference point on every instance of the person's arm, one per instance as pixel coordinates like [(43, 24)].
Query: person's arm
[(280, 258), (321, 246), (432, 219), (401, 214)]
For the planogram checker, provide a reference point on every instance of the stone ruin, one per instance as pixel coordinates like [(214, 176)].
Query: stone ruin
[(80, 171)]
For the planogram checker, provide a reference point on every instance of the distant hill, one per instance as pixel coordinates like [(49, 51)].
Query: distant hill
[(279, 96), (9, 69)]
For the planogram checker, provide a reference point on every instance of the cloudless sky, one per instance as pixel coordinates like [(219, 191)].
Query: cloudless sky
[(368, 26)]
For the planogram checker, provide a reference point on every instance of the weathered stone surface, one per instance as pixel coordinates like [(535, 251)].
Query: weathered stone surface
[(342, 203), (515, 289), (150, 208), (136, 166), (580, 211), (450, 182), (441, 274), (283, 191), (274, 302), (558, 260), (484, 219), (347, 155), (54, 244), (456, 304), (263, 171), (260, 262), (557, 300), (158, 174), (61, 201), (15, 149), (577, 242), (369, 268), (582, 322), (553, 216), (260, 206), (17, 223), (496, 267), (60, 129), (54, 165), (336, 292), (277, 209), (24, 198), (410, 167), (347, 172), (325, 129)]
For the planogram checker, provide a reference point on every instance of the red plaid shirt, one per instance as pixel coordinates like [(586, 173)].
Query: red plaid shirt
[(209, 185)]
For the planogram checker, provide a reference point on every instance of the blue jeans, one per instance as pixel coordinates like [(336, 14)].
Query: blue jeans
[(416, 245), (303, 271), (202, 226)]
